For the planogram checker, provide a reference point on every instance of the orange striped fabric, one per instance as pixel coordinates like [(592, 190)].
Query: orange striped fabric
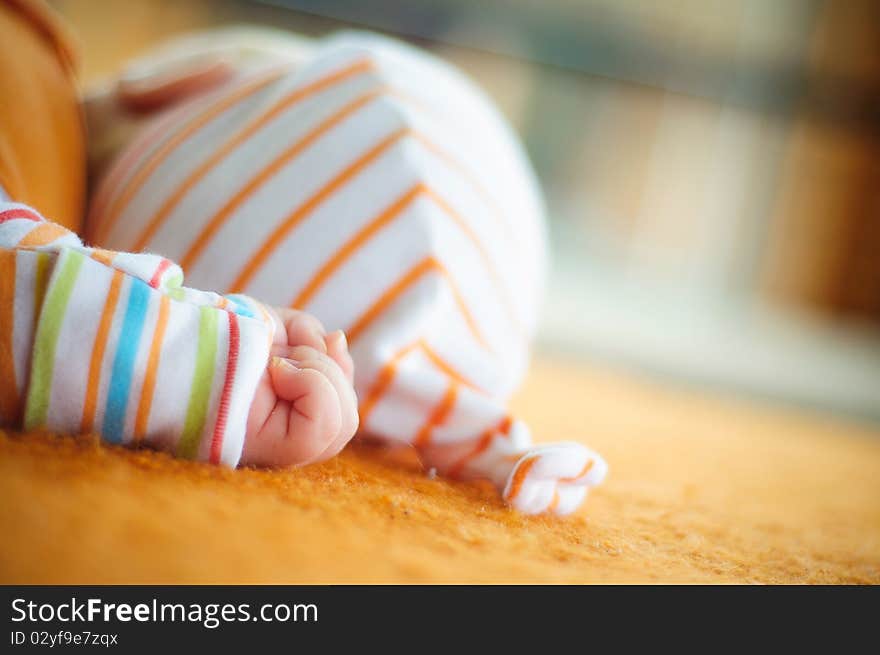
[(268, 172), (383, 381), (103, 223), (91, 400), (519, 478), (290, 222), (149, 386), (240, 137), (407, 280), (447, 368), (438, 415), (43, 234), (485, 441), (338, 258), (77, 355)]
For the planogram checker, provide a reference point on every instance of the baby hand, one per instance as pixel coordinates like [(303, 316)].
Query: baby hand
[(305, 408)]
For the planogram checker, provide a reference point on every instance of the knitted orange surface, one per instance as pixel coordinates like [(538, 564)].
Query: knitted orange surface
[(700, 490)]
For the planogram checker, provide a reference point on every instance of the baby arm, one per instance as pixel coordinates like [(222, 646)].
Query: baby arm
[(99, 341)]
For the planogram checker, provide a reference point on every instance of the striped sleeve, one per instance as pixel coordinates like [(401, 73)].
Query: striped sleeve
[(107, 342)]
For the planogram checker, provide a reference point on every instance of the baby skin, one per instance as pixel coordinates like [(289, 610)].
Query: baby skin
[(304, 410)]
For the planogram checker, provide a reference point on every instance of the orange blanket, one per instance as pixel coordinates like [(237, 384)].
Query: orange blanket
[(700, 491)]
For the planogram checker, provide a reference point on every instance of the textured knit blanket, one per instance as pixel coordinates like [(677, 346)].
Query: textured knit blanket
[(702, 490)]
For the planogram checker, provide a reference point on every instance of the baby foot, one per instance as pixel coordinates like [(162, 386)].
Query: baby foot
[(553, 478)]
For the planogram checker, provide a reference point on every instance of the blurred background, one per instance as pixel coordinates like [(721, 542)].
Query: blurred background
[(710, 167)]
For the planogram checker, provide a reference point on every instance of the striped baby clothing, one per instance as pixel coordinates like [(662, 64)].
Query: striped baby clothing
[(377, 188), (99, 341)]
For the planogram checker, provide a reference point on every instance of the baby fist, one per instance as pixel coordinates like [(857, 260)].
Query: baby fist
[(305, 408)]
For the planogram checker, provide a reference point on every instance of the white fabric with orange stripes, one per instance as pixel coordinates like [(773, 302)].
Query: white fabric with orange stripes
[(378, 189), (99, 341)]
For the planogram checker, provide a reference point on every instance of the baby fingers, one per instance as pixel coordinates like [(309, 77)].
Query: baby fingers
[(308, 416), (300, 328), (337, 348), (306, 357)]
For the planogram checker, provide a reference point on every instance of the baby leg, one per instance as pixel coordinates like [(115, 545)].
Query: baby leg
[(417, 397)]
